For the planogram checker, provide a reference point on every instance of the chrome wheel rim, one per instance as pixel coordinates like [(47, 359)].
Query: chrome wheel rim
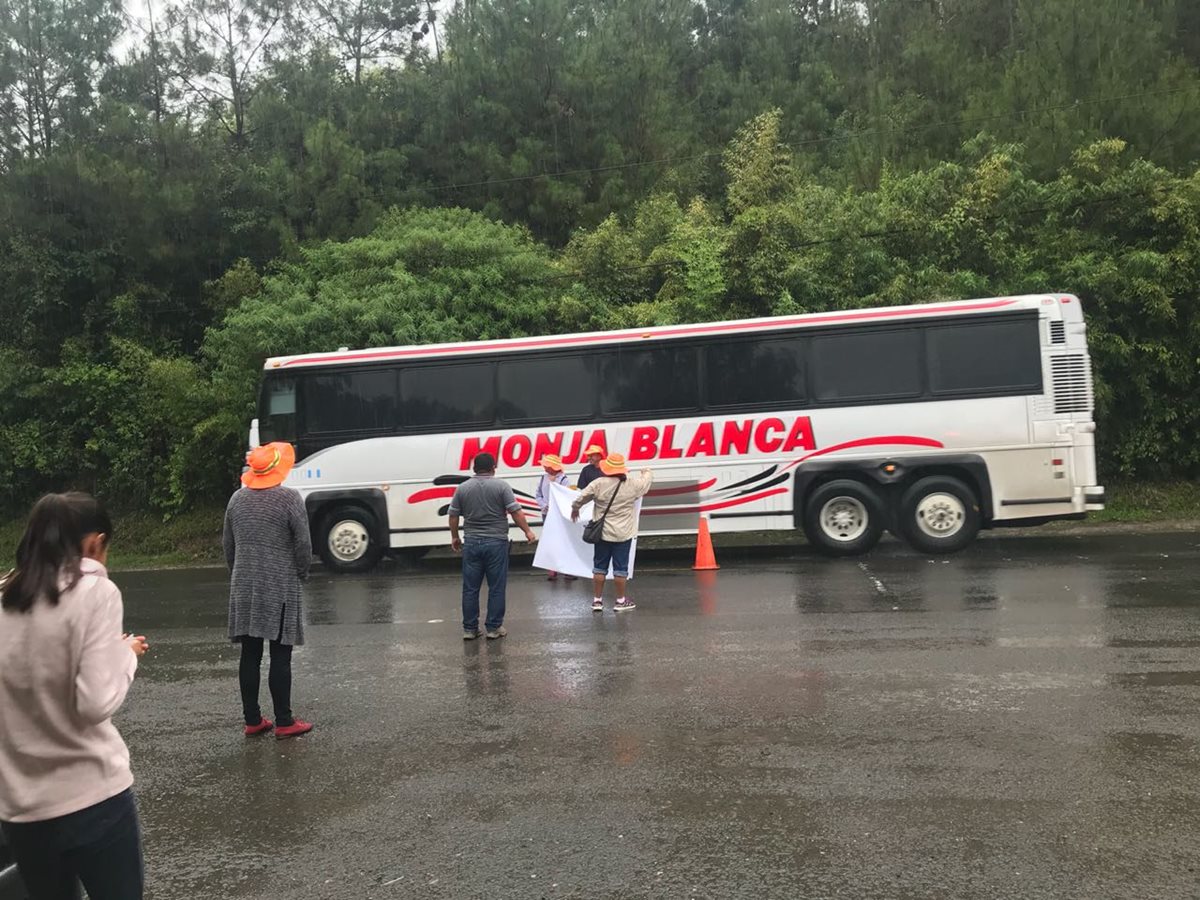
[(844, 519), (941, 515), (348, 540)]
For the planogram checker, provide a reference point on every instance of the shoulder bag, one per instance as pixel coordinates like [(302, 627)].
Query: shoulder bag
[(593, 531)]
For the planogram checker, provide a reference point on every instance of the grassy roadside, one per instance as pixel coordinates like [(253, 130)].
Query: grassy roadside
[(145, 541), (1147, 502)]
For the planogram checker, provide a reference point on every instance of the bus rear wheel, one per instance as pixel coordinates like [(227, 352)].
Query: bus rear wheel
[(346, 543), (843, 517), (939, 514)]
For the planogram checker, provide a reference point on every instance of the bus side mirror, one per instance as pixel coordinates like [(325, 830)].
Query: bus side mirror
[(253, 433)]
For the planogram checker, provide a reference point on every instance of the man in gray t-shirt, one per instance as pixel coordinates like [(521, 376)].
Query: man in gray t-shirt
[(485, 503)]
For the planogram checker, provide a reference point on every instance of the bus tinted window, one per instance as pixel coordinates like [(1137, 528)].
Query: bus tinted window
[(650, 380), (987, 356), (447, 395), (748, 372), (350, 401), (555, 388), (875, 365)]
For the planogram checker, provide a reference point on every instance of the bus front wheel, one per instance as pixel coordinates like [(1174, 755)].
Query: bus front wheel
[(939, 514), (843, 517), (346, 544)]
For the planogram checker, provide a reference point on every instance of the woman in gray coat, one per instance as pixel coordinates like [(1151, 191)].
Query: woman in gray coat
[(268, 549)]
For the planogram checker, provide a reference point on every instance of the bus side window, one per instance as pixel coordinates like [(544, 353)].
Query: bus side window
[(867, 366), (657, 379), (756, 372), (350, 401), (448, 395), (557, 388), (986, 357), (277, 412)]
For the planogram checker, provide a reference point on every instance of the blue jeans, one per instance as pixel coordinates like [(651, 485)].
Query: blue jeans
[(100, 846), (617, 553), (484, 556)]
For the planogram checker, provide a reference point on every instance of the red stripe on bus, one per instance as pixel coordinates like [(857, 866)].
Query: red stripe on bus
[(907, 440), (439, 493), (445, 493), (710, 507), (665, 332), (686, 489)]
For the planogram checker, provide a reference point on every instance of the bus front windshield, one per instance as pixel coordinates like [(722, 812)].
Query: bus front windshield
[(277, 410)]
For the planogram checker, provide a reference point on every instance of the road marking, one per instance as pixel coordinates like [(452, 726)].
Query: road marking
[(875, 581)]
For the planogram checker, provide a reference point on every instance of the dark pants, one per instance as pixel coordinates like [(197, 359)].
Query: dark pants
[(484, 556), (279, 680), (100, 846)]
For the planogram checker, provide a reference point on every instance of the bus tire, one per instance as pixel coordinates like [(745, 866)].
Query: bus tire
[(939, 514), (843, 517), (345, 542)]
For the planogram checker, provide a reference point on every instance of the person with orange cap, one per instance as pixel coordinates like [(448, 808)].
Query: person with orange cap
[(591, 471), (269, 551), (615, 495), (553, 474)]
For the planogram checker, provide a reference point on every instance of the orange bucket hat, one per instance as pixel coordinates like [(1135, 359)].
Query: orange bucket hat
[(268, 465), (552, 461), (614, 465)]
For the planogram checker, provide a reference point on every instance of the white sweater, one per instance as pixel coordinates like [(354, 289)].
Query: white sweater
[(64, 671)]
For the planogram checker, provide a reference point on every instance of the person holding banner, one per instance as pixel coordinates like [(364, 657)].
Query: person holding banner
[(553, 474), (615, 494), (593, 454)]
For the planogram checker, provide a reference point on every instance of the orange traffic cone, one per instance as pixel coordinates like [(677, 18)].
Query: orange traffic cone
[(705, 558)]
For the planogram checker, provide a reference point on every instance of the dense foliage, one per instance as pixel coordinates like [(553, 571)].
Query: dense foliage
[(189, 190)]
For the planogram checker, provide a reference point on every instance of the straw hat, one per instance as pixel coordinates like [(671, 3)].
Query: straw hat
[(268, 465), (552, 461), (614, 465), (594, 448)]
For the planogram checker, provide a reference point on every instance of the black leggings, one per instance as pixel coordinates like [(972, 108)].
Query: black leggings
[(100, 846), (279, 680)]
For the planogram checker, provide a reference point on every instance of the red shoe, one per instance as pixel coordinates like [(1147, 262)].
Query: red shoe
[(553, 576), (297, 728), (263, 726)]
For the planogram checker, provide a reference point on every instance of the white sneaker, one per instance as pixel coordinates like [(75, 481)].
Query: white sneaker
[(623, 605), (597, 605)]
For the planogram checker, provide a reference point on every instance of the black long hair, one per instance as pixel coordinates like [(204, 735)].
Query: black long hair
[(51, 549)]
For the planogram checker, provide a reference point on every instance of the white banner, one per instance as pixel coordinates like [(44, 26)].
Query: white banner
[(561, 547)]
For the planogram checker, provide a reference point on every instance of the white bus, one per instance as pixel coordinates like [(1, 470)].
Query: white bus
[(931, 421)]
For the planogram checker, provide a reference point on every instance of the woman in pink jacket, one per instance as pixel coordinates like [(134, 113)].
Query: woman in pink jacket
[(66, 800)]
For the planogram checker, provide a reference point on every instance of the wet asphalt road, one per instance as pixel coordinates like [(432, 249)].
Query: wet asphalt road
[(1017, 721)]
